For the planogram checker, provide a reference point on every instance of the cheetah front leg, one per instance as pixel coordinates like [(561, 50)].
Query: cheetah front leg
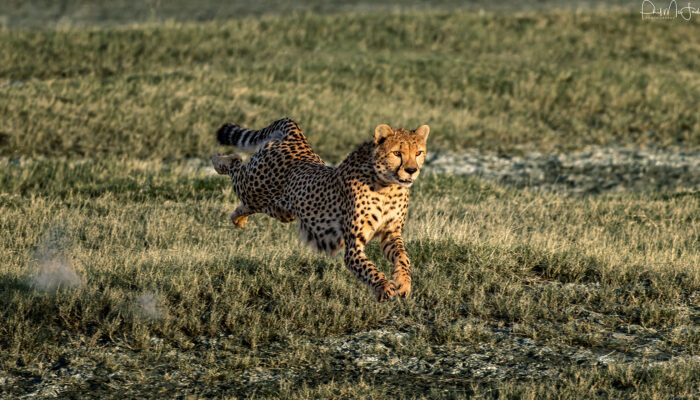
[(395, 252), (356, 260), (240, 215)]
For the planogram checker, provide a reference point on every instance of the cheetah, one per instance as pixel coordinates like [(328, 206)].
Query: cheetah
[(345, 206)]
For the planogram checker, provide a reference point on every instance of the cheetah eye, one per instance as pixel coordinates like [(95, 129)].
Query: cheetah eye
[(420, 153), (397, 153)]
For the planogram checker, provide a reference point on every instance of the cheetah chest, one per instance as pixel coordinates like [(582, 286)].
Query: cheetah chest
[(382, 211)]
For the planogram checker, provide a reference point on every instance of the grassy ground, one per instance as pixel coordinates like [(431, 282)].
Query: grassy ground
[(506, 82), (120, 275), (158, 267), (42, 14)]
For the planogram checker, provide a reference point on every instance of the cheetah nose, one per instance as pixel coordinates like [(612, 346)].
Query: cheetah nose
[(411, 170)]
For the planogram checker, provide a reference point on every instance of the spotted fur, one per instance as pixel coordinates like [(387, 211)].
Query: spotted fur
[(364, 197)]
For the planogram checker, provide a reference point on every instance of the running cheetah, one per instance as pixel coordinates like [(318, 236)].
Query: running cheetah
[(366, 195)]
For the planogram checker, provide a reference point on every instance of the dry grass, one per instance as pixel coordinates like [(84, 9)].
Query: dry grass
[(512, 83), (39, 14), (157, 258), (119, 270)]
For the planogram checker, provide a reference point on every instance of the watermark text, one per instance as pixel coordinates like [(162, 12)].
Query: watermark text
[(650, 11)]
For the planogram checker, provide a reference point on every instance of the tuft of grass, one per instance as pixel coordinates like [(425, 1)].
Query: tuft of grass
[(506, 82)]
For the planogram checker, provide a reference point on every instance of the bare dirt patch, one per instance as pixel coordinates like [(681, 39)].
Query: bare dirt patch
[(592, 171)]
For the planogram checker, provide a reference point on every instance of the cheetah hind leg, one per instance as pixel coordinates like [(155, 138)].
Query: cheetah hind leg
[(240, 216), (224, 164)]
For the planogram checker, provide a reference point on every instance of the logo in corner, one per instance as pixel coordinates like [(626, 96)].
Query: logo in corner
[(651, 12)]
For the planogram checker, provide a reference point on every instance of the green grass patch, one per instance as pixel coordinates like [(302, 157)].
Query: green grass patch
[(129, 228), (145, 252), (112, 201), (505, 82)]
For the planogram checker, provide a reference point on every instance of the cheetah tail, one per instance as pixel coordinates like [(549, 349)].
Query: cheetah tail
[(248, 139)]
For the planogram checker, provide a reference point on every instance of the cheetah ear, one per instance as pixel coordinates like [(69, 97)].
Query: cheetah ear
[(381, 132), (423, 132)]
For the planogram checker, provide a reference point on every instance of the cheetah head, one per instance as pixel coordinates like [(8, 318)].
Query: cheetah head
[(399, 154)]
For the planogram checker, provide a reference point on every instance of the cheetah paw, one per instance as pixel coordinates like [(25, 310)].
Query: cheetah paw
[(239, 220), (385, 291), (403, 288), (223, 164)]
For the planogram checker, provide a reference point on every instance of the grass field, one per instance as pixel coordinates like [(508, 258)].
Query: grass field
[(506, 82), (42, 14), (121, 276), (485, 257)]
